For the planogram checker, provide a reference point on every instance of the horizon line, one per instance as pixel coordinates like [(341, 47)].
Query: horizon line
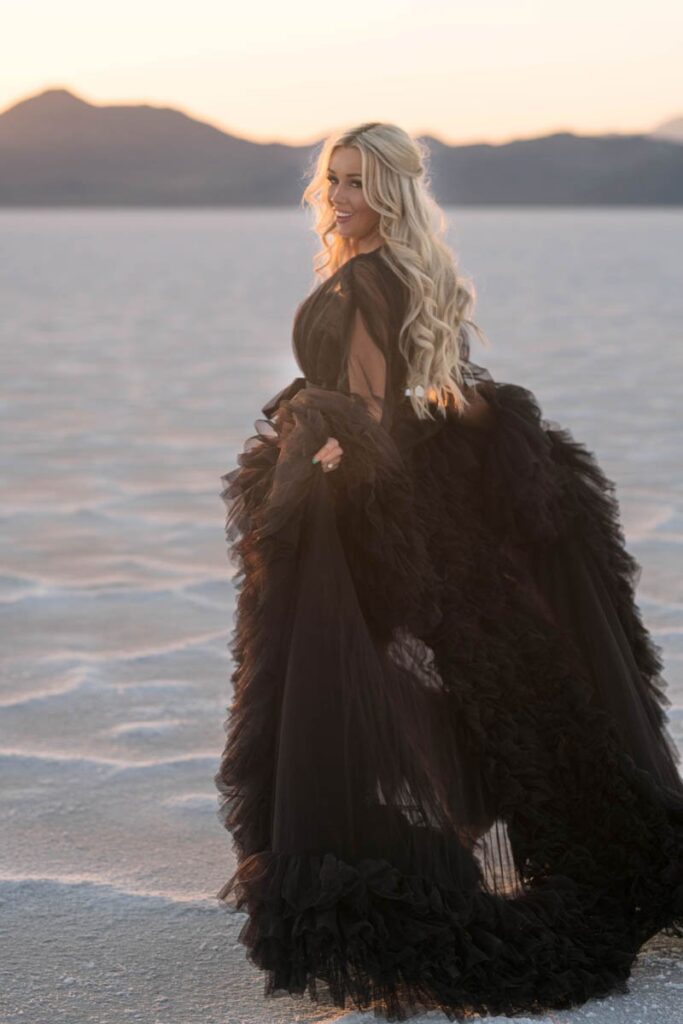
[(314, 140)]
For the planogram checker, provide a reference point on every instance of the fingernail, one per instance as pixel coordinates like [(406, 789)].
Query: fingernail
[(314, 459)]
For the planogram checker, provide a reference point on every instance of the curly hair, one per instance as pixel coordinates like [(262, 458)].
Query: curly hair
[(395, 183)]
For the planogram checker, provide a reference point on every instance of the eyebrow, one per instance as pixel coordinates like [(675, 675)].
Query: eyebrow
[(351, 174)]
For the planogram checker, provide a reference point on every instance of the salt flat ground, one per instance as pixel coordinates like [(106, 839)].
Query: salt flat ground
[(137, 350)]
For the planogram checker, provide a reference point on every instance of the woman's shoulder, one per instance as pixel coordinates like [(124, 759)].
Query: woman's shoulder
[(373, 262), (372, 278), (365, 281)]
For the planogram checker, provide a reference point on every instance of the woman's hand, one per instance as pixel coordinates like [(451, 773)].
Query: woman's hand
[(329, 455)]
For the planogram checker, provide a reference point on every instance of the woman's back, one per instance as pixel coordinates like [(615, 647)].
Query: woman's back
[(346, 337)]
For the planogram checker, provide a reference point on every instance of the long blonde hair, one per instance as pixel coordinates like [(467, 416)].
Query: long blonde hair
[(395, 182)]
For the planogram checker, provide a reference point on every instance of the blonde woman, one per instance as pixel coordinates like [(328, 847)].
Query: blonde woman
[(447, 772)]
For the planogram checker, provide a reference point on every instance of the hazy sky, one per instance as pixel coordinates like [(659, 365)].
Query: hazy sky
[(488, 70)]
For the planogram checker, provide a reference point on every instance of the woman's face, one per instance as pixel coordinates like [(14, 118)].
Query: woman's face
[(355, 219)]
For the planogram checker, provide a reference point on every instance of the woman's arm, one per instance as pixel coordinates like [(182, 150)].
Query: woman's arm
[(365, 346), (366, 367)]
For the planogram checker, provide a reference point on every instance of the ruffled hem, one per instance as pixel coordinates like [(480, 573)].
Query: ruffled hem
[(404, 944)]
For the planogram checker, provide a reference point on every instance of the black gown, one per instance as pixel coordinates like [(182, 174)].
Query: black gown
[(447, 772)]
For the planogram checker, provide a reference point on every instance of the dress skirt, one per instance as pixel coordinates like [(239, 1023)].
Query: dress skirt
[(447, 773)]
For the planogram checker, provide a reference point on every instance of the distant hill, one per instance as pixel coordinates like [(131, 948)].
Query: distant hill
[(56, 149), (672, 129)]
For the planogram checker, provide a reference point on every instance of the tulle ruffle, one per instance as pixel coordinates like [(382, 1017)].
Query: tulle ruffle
[(371, 936), (444, 789)]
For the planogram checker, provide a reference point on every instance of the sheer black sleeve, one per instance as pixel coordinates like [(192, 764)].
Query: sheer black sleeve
[(370, 351), (366, 367)]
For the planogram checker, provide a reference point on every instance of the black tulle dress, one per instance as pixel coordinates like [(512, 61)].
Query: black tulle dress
[(447, 773)]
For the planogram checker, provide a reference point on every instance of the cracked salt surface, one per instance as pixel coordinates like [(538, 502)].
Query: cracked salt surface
[(115, 588)]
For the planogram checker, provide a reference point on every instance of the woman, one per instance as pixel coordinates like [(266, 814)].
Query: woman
[(447, 772)]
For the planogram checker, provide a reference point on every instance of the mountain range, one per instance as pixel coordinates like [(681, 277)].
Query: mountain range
[(57, 149)]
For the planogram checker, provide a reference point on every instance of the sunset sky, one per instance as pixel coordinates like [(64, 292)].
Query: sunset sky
[(486, 71)]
